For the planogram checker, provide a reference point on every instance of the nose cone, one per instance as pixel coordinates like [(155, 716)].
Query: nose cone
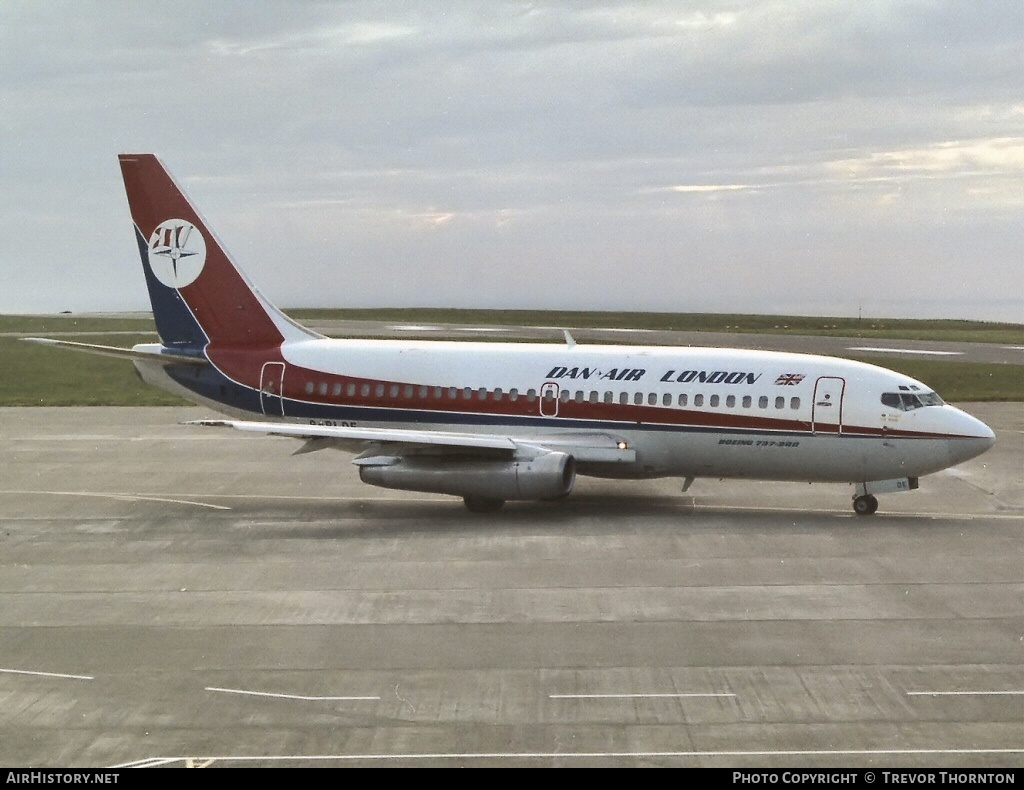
[(972, 436)]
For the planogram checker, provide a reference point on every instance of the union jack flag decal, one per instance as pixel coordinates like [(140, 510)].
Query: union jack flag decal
[(790, 378)]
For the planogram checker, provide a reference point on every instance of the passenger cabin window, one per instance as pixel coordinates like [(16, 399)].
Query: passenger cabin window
[(652, 399), (747, 401), (780, 402), (698, 400), (666, 399), (794, 403), (682, 400), (714, 401)]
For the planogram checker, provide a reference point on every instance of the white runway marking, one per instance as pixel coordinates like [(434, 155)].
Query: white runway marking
[(723, 509), (963, 693), (906, 351), (307, 498), (122, 497), (155, 761), (637, 696), (287, 696), (47, 674)]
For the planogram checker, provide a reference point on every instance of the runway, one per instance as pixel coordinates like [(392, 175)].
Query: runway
[(950, 351), (172, 596)]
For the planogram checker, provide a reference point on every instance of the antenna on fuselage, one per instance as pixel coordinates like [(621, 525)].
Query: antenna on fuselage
[(570, 341)]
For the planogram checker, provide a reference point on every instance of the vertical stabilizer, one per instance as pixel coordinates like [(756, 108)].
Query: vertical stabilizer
[(199, 296)]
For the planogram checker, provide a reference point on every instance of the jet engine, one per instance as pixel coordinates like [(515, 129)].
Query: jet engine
[(548, 476)]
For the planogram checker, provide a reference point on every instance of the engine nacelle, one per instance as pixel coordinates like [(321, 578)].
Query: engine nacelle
[(548, 476)]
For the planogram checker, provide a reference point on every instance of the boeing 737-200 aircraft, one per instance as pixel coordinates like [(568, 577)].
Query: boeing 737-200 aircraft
[(491, 422)]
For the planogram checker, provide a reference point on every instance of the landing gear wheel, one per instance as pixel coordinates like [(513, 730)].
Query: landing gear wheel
[(865, 505), (482, 504)]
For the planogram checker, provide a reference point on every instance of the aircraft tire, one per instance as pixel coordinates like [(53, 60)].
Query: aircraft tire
[(482, 504), (865, 505)]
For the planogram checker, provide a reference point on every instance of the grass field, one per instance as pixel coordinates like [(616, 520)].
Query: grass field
[(33, 375)]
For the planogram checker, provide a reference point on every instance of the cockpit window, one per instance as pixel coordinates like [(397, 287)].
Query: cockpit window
[(908, 401)]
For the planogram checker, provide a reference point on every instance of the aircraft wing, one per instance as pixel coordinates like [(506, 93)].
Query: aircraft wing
[(588, 447), (163, 357)]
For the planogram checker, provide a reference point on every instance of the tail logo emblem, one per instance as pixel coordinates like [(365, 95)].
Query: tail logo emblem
[(177, 252)]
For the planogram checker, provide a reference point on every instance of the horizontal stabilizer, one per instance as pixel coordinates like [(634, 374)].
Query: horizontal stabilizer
[(164, 357)]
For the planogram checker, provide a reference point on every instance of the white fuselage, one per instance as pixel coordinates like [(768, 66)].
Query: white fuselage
[(693, 412)]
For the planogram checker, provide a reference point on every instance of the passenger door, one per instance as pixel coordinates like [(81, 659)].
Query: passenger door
[(827, 411), (549, 399), (272, 389)]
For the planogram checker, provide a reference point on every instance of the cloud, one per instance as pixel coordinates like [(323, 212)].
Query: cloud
[(708, 188), (633, 154), (354, 34), (1002, 156)]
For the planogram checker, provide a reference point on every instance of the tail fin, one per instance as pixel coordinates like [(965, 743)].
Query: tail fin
[(199, 296)]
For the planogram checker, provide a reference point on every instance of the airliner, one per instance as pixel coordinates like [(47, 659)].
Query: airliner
[(492, 422)]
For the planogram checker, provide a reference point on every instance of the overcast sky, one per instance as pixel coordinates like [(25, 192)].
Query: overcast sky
[(754, 156)]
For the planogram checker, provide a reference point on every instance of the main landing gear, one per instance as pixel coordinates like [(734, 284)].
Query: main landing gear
[(865, 505)]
